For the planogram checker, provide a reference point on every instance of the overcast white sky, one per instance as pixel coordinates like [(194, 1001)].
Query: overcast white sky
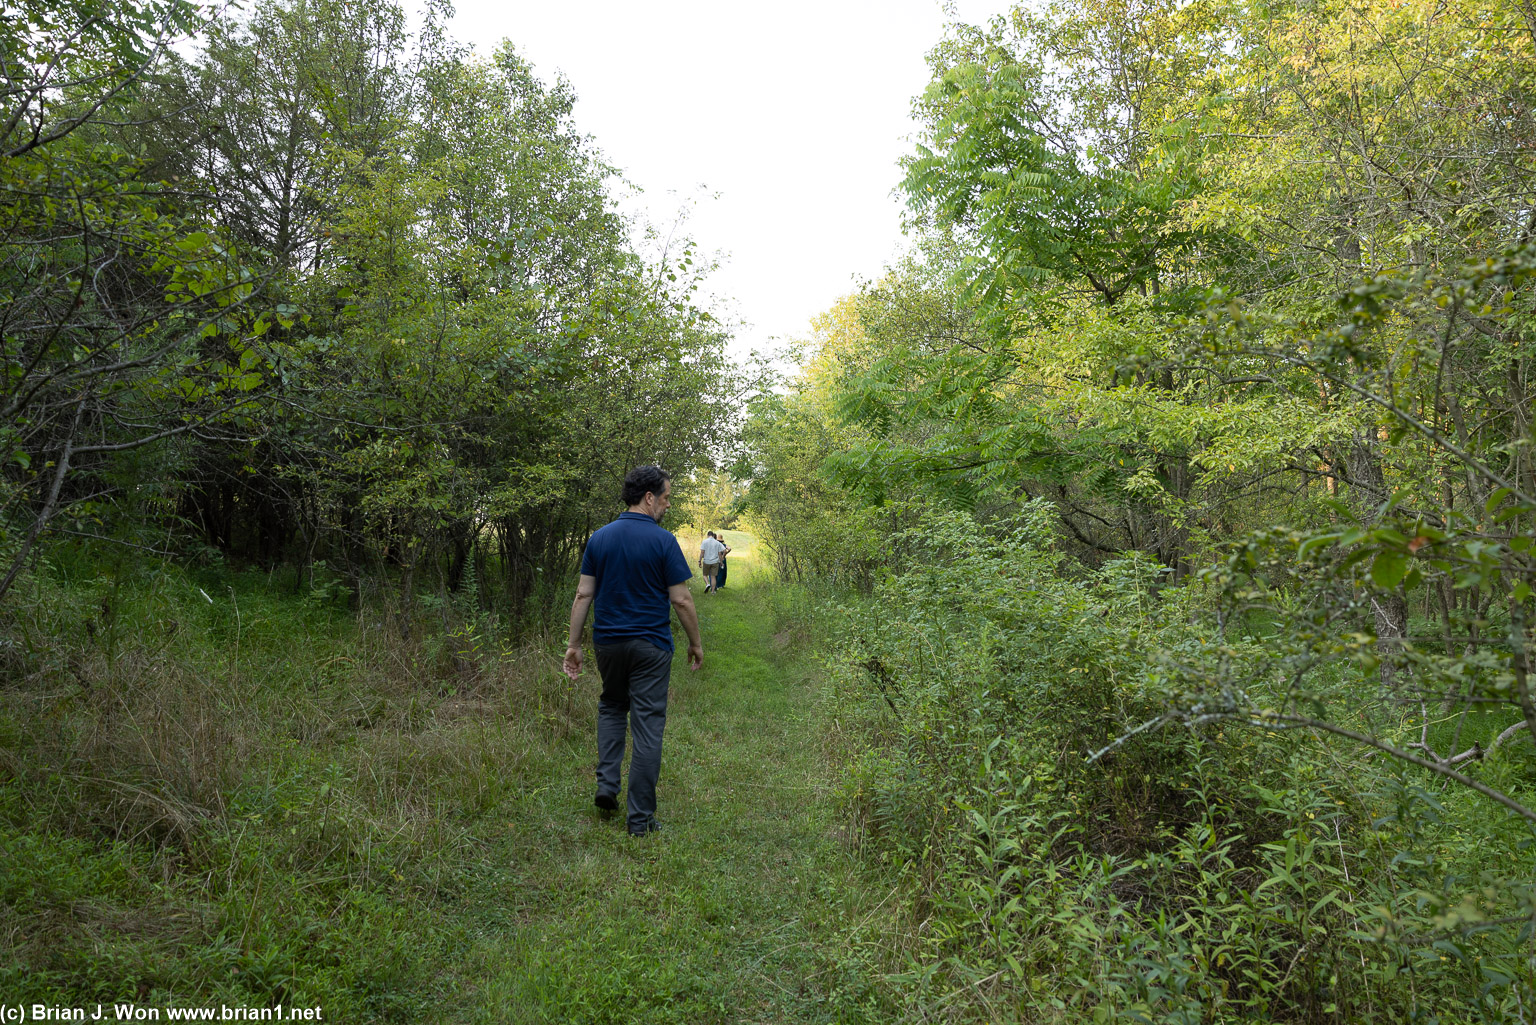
[(782, 121)]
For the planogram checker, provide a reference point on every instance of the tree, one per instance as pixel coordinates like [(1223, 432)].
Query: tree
[(124, 322)]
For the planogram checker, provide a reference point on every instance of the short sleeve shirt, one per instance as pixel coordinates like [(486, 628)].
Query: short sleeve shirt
[(711, 549), (634, 562)]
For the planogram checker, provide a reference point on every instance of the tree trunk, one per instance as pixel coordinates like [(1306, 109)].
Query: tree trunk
[(1368, 491)]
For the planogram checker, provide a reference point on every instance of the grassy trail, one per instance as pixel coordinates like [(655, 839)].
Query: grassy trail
[(733, 913)]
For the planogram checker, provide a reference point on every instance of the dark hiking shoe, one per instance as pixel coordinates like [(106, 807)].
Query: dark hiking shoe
[(651, 826), (606, 803)]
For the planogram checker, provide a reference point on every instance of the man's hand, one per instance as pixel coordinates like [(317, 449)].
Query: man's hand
[(586, 587), (682, 601)]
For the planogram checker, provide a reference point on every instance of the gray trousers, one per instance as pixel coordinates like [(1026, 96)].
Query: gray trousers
[(635, 675)]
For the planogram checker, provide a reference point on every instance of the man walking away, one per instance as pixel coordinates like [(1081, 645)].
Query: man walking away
[(725, 552), (709, 559), (635, 574)]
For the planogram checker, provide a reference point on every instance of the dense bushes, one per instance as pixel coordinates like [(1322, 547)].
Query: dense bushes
[(1222, 871), (362, 300), (1234, 721)]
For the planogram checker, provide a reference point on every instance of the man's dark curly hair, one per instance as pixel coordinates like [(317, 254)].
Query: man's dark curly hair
[(642, 479)]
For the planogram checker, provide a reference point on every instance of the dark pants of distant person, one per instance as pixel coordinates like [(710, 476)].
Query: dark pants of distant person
[(635, 675), (720, 577)]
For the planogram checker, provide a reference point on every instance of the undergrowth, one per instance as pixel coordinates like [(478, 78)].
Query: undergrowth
[(215, 791), (1216, 872)]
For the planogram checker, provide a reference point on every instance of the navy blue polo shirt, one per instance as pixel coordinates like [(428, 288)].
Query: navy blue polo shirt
[(634, 561)]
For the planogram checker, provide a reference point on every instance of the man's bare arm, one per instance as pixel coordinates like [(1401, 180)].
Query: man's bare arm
[(682, 601), (586, 587)]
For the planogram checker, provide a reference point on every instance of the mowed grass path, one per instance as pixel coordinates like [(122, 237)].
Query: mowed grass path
[(738, 911)]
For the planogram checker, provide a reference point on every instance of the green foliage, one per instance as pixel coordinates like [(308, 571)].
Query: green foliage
[(128, 322), (710, 500), (1214, 873), (813, 527), (357, 305), (196, 825), (1194, 461), (1046, 206)]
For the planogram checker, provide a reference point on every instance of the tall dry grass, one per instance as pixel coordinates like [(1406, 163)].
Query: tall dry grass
[(229, 769)]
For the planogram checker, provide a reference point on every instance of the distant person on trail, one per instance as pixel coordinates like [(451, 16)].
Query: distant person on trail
[(710, 551), (725, 550), (635, 574)]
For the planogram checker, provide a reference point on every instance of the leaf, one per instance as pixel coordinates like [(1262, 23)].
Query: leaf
[(1316, 541), (1389, 568)]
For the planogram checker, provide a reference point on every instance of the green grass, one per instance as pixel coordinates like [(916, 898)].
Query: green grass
[(212, 791), (732, 913)]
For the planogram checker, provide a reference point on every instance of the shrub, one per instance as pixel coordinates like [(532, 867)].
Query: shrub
[(1209, 872)]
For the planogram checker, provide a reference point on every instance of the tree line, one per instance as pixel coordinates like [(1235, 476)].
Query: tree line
[(297, 287), (1219, 317)]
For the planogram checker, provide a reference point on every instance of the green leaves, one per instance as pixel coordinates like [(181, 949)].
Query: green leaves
[(1027, 151), (1389, 567)]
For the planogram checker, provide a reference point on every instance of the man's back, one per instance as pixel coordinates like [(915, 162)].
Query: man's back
[(634, 561), (710, 549)]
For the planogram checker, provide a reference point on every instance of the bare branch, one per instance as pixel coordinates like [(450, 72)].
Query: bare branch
[(1510, 732), (1269, 718)]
